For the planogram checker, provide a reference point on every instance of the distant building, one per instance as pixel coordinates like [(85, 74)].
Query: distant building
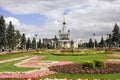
[(77, 42), (48, 41), (64, 36)]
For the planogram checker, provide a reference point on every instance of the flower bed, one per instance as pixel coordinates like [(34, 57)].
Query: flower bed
[(36, 63), (78, 69), (27, 75), (117, 50), (74, 54), (114, 55), (112, 61)]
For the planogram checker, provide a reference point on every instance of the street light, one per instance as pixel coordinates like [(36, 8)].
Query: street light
[(36, 40), (94, 39), (107, 41)]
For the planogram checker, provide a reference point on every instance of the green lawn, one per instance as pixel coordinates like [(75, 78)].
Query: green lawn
[(77, 59), (88, 76), (9, 66)]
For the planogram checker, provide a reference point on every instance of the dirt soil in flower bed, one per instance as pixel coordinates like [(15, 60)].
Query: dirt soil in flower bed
[(77, 69)]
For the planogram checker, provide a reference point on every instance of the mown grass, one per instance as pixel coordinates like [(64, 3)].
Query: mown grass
[(76, 59), (9, 67), (115, 76)]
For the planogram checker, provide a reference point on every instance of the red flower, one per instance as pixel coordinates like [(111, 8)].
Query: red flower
[(56, 77)]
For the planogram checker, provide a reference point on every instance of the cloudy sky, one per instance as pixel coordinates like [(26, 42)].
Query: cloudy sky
[(44, 17)]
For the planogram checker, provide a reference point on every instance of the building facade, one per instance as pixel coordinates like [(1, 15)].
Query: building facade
[(64, 36)]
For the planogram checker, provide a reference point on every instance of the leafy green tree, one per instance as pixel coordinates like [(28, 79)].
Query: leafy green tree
[(23, 41), (28, 44), (39, 44), (116, 35), (2, 32), (34, 43), (90, 44), (10, 36), (102, 42)]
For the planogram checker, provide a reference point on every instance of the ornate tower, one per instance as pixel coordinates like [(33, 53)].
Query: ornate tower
[(64, 24), (64, 36)]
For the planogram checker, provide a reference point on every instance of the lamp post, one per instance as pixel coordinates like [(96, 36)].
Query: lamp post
[(36, 40), (107, 41), (94, 39)]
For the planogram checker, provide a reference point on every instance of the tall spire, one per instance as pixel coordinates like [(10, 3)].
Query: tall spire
[(64, 23), (64, 19)]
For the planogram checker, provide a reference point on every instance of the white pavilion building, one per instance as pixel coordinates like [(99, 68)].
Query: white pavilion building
[(64, 36)]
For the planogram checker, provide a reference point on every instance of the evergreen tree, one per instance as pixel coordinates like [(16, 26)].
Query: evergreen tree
[(2, 32), (116, 35), (23, 41), (90, 44), (34, 43), (28, 44), (39, 44), (10, 36), (17, 38), (102, 42), (96, 43)]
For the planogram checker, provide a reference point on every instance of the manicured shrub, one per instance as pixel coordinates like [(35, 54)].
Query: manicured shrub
[(99, 63), (88, 64)]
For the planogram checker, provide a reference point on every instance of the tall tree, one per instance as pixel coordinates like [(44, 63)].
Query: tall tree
[(39, 44), (23, 41), (116, 35), (96, 43), (102, 42), (28, 44), (17, 38), (10, 36), (34, 43), (2, 32), (90, 44)]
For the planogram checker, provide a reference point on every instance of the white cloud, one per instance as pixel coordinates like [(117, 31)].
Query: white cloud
[(31, 30), (14, 20), (84, 17)]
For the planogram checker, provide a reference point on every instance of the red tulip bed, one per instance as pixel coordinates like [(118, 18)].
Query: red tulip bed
[(35, 63), (78, 69)]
